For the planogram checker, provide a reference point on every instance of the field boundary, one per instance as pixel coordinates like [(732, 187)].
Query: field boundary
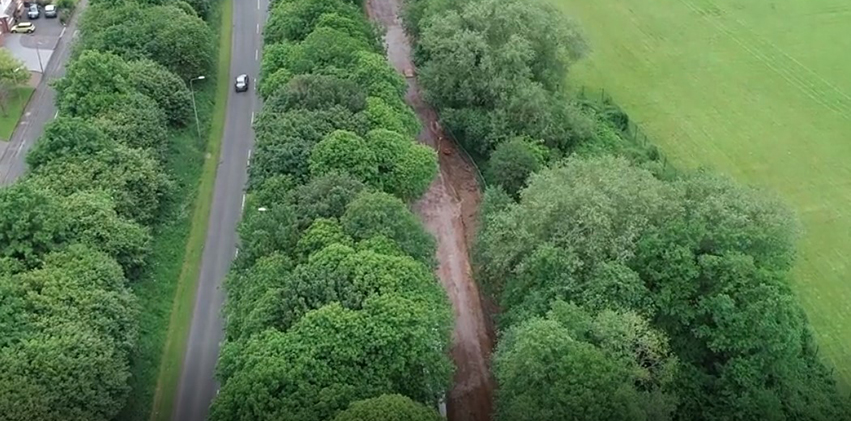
[(171, 363)]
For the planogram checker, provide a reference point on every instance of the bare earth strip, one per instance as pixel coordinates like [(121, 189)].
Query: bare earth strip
[(448, 210)]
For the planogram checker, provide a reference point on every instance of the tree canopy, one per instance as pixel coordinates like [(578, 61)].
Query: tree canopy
[(388, 408)]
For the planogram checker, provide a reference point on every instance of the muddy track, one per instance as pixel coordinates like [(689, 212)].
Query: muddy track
[(448, 210)]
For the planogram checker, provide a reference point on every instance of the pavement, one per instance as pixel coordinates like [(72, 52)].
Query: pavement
[(198, 385), (48, 49)]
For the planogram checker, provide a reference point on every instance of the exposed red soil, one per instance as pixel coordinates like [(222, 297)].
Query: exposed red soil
[(448, 210)]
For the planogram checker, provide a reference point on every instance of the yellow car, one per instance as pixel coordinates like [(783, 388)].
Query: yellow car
[(23, 28)]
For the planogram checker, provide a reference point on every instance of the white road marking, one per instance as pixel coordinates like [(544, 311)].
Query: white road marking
[(235, 253), (258, 28), (63, 31), (243, 201), (256, 54), (249, 155), (252, 117), (56, 115), (258, 4)]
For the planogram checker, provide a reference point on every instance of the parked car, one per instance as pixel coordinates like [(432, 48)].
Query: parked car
[(241, 84), (23, 28), (50, 11), (33, 13)]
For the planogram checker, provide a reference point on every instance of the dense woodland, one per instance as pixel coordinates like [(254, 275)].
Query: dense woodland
[(77, 229), (333, 309), (627, 290)]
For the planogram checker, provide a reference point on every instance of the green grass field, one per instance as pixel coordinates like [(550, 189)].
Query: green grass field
[(759, 90), (18, 100)]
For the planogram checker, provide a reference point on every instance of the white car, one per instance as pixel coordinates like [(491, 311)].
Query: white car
[(50, 11)]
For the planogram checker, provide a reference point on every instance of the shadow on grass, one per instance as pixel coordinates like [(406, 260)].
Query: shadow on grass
[(18, 100)]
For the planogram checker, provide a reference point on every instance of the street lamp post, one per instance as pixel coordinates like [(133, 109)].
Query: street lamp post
[(194, 108)]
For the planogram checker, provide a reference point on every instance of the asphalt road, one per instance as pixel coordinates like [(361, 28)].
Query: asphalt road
[(198, 386), (41, 108)]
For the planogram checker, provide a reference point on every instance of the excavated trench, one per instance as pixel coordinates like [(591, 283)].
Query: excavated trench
[(448, 210)]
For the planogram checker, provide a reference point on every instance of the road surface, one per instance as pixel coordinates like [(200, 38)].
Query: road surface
[(197, 381), (41, 108)]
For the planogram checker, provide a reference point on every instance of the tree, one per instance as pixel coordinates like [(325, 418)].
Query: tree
[(31, 223), (405, 168), (247, 287), (332, 357), (133, 178), (324, 197), (511, 164), (316, 92), (137, 122), (322, 233), (67, 137), (596, 210), (338, 273), (396, 118), (344, 152), (164, 33), (574, 366), (13, 73), (94, 222), (38, 373), (388, 408), (265, 232), (375, 213), (324, 48), (164, 87), (92, 84), (295, 20), (284, 141), (379, 80)]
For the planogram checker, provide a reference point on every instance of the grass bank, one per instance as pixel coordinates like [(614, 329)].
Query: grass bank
[(167, 293), (18, 100), (757, 90)]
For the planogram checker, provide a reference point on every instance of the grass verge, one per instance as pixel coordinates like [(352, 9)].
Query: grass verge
[(181, 314), (166, 295), (17, 102)]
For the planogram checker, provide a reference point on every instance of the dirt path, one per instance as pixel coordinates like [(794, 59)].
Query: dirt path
[(448, 210)]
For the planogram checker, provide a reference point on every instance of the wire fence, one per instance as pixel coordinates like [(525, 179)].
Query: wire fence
[(445, 134), (604, 103)]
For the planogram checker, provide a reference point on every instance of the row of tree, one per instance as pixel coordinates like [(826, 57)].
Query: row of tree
[(333, 311), (78, 227), (627, 290)]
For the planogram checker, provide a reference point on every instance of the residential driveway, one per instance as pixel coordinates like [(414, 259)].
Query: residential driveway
[(36, 49)]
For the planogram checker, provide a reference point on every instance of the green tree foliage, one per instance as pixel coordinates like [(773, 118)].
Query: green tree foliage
[(31, 223), (133, 178), (332, 357), (384, 159), (66, 137), (316, 92), (13, 73), (398, 118), (705, 260), (164, 87), (284, 141), (372, 214), (294, 20), (491, 70), (325, 50), (388, 408), (324, 197), (92, 84), (95, 223), (511, 164), (573, 366), (137, 122), (165, 34), (346, 152), (78, 323), (379, 80)]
